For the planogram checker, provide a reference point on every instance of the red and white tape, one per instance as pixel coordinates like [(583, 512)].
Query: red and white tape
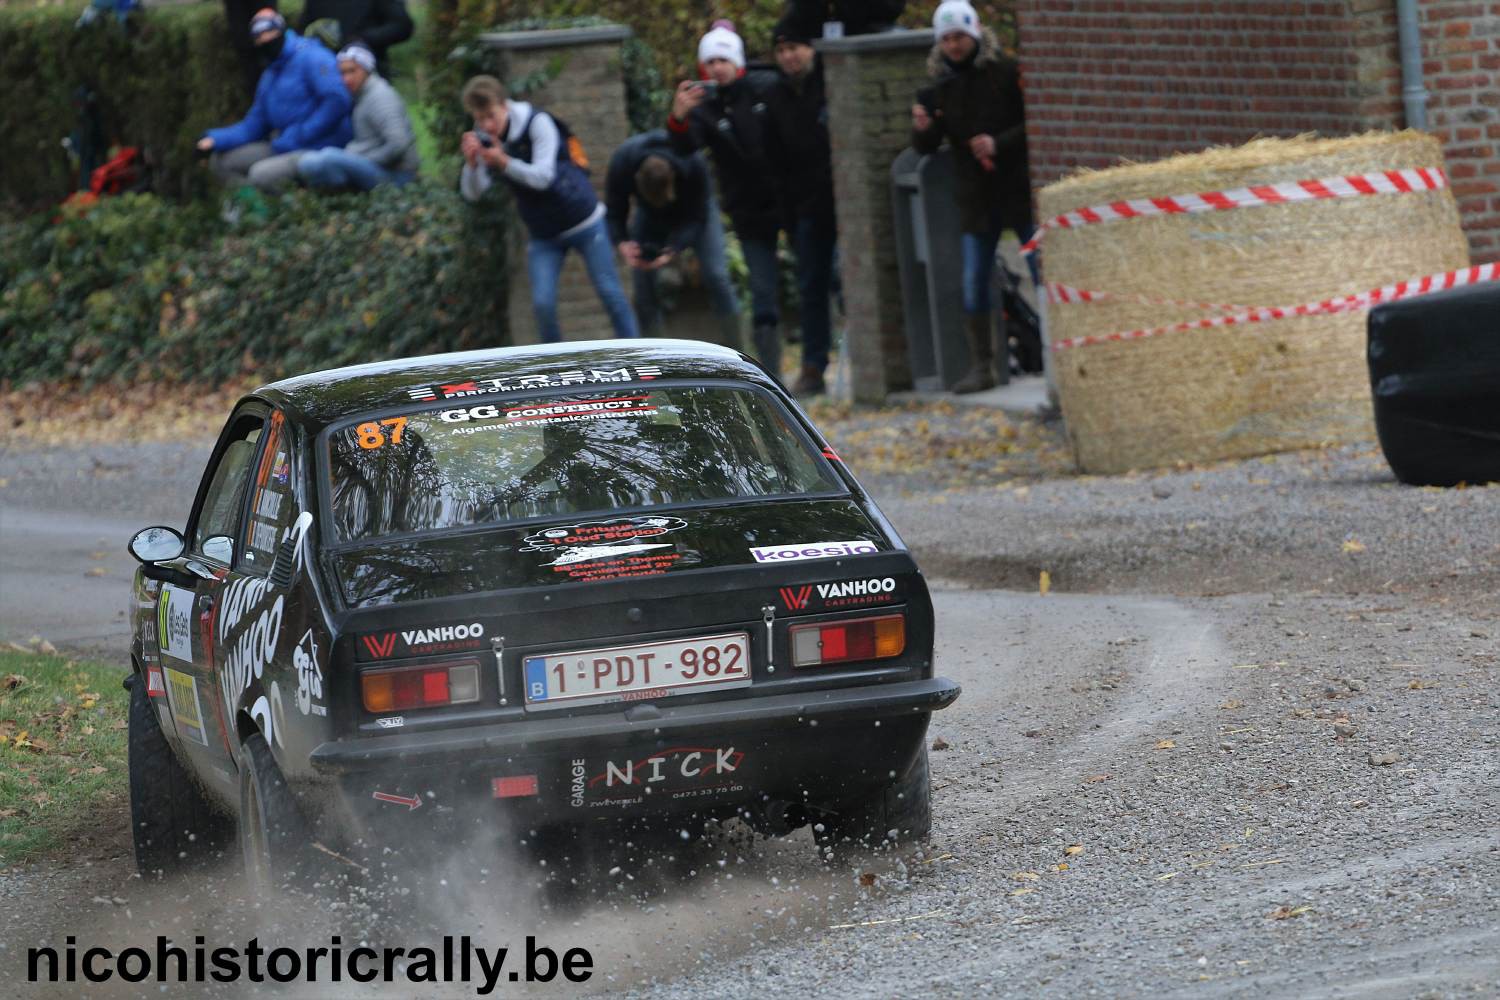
[(1346, 186), (1364, 300), (1057, 293)]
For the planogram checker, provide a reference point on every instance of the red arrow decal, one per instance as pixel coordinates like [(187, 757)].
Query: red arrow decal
[(400, 800)]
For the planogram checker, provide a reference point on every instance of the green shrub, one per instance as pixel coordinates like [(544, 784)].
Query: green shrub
[(161, 79), (139, 287)]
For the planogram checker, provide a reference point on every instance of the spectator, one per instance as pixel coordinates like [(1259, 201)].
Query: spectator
[(976, 106), (675, 209), (729, 120), (801, 157), (299, 105), (534, 154), (858, 17), (384, 149), (379, 24)]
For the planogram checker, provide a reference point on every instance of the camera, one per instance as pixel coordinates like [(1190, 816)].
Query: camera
[(485, 139), (710, 89), (650, 251)]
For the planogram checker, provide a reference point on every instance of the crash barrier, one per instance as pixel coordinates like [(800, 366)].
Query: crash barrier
[(1326, 220), (1435, 376), (929, 253)]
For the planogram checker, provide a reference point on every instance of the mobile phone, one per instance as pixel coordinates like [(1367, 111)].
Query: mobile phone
[(710, 88)]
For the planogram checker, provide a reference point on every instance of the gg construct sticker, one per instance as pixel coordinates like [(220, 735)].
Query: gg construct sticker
[(493, 417), (174, 618), (187, 710)]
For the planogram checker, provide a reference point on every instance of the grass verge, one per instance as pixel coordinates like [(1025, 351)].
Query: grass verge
[(62, 750)]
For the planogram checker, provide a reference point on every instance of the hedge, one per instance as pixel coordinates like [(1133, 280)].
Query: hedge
[(143, 288), (161, 79)]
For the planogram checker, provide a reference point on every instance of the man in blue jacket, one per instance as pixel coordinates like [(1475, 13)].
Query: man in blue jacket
[(300, 104)]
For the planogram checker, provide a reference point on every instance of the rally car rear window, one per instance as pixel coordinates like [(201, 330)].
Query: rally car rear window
[(474, 463)]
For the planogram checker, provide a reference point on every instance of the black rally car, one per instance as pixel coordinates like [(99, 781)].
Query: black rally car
[(552, 585)]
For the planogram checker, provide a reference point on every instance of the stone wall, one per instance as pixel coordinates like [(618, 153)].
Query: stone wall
[(872, 82)]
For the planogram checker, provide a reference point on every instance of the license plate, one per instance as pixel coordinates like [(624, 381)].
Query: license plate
[(638, 672)]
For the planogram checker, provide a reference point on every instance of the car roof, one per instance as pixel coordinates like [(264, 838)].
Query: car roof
[(320, 398)]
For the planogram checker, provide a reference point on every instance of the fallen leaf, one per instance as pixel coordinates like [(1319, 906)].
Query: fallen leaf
[(1166, 745), (96, 571), (1284, 912), (1232, 704), (1045, 583), (867, 878), (1021, 892), (1073, 849), (939, 744), (1026, 876), (11, 681), (1167, 876), (1353, 545), (1061, 866), (1094, 779), (96, 769)]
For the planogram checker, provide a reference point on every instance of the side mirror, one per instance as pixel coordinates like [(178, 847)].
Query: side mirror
[(219, 548), (157, 544)]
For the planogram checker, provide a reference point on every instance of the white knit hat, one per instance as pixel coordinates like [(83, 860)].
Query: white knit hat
[(721, 42), (956, 15)]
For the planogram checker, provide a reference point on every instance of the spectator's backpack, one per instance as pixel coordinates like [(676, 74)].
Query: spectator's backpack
[(569, 146)]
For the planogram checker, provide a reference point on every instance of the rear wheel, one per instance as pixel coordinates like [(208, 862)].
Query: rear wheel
[(173, 824), (898, 815), (274, 838)]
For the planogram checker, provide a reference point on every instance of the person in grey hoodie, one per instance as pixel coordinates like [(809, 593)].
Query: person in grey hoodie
[(384, 148)]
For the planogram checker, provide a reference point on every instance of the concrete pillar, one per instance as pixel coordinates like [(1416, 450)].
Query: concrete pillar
[(872, 82), (584, 85)]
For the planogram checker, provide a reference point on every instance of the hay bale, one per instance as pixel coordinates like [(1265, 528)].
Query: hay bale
[(1241, 390)]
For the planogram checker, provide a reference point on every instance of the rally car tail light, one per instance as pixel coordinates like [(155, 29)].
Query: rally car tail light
[(428, 686), (848, 641)]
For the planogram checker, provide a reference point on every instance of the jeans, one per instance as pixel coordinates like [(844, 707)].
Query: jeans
[(712, 258), (979, 266), (760, 260), (334, 168), (257, 164), (816, 241), (544, 263)]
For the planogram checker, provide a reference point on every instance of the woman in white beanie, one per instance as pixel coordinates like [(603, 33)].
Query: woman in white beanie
[(725, 113), (975, 104)]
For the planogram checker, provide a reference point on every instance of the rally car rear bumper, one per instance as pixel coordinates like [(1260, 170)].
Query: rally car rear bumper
[(648, 723)]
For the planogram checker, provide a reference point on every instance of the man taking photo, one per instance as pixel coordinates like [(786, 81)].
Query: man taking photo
[(725, 114)]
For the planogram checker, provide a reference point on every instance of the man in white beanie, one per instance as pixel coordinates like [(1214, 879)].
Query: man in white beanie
[(975, 104), (724, 112), (384, 148)]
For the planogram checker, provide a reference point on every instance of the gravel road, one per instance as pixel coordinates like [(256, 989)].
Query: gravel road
[(1252, 749)]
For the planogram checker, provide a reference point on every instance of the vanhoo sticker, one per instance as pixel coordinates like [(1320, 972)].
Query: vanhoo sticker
[(489, 417), (187, 710), (556, 380)]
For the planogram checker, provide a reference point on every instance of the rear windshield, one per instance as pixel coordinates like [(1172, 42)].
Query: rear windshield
[(476, 463)]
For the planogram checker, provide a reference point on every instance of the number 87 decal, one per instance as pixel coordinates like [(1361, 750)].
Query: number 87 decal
[(370, 436)]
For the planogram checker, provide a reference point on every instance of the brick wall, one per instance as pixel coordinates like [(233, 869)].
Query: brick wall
[(1107, 80), (871, 83)]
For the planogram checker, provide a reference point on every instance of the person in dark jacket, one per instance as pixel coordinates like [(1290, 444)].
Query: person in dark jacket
[(530, 151), (378, 24), (858, 17), (976, 106), (801, 157), (729, 120), (674, 209), (300, 104)]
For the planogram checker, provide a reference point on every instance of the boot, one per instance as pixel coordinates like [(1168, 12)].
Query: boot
[(768, 348), (810, 382), (981, 354)]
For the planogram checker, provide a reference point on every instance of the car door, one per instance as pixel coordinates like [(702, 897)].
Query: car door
[(187, 626)]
